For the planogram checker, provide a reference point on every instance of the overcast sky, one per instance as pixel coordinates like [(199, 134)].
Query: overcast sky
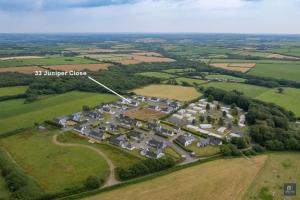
[(225, 16)]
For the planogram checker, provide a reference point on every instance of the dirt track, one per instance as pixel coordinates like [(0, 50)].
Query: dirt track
[(111, 180)]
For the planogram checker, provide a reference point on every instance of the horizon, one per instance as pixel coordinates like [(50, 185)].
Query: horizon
[(150, 16)]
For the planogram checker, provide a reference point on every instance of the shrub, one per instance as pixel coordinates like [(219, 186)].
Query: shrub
[(92, 183)]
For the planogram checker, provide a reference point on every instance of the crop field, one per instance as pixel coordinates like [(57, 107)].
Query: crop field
[(44, 61), (20, 57), (279, 71), (169, 91), (144, 114), (224, 179), (279, 168), (157, 75), (53, 167), (119, 157), (23, 70), (225, 77), (239, 67), (249, 90), (16, 114), (289, 99), (80, 67), (8, 91)]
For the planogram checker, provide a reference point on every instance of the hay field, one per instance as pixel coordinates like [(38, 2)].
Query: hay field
[(169, 91), (240, 67), (15, 90), (224, 179), (80, 67), (24, 70), (279, 168), (144, 114)]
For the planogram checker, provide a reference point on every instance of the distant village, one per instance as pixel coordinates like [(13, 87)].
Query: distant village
[(197, 125)]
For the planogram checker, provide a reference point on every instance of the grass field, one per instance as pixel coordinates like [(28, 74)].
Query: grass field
[(120, 158), (204, 151), (189, 80), (8, 91), (224, 179), (279, 71), (45, 61), (225, 77), (157, 75), (279, 168), (4, 193), (15, 114), (169, 91), (289, 99), (179, 70), (249, 90), (53, 167)]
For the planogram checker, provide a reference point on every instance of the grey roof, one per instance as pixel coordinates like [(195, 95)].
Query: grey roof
[(136, 134), (156, 144), (96, 133), (118, 140)]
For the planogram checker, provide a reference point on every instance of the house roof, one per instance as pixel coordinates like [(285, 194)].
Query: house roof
[(155, 143)]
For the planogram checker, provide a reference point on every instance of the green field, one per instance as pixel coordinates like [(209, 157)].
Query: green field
[(179, 70), (204, 151), (44, 61), (279, 168), (292, 51), (289, 99), (8, 91), (225, 77), (249, 90), (279, 71), (53, 167), (15, 114), (4, 193), (119, 157), (157, 75), (108, 57), (190, 81)]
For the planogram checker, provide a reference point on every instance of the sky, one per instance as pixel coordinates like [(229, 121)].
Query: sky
[(151, 16)]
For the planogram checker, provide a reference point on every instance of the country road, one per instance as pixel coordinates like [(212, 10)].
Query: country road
[(111, 180)]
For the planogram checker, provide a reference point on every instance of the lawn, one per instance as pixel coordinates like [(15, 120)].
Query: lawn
[(204, 151), (279, 168), (157, 75), (8, 91), (120, 158), (169, 151), (249, 90), (276, 70), (44, 61), (289, 99), (169, 91), (224, 179), (53, 167), (16, 114), (225, 77)]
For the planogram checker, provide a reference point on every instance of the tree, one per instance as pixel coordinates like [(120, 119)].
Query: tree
[(280, 90), (221, 121), (92, 183), (224, 113), (218, 107), (210, 98), (207, 106), (201, 118), (86, 108), (208, 118)]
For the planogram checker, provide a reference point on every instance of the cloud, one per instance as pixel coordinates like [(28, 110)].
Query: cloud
[(29, 5)]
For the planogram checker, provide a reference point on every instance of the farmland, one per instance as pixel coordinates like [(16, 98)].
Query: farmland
[(224, 77), (276, 70), (79, 67), (279, 168), (239, 67), (212, 180), (119, 157), (249, 90), (44, 61), (157, 75), (7, 91), (24, 70), (55, 168), (190, 81), (289, 99), (15, 114), (179, 70), (169, 91)]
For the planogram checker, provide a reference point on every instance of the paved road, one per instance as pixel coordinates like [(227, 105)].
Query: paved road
[(111, 180)]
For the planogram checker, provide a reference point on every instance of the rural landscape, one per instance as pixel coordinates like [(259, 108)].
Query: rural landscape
[(195, 114)]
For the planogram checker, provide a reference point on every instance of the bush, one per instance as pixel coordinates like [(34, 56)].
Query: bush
[(92, 183), (259, 149)]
